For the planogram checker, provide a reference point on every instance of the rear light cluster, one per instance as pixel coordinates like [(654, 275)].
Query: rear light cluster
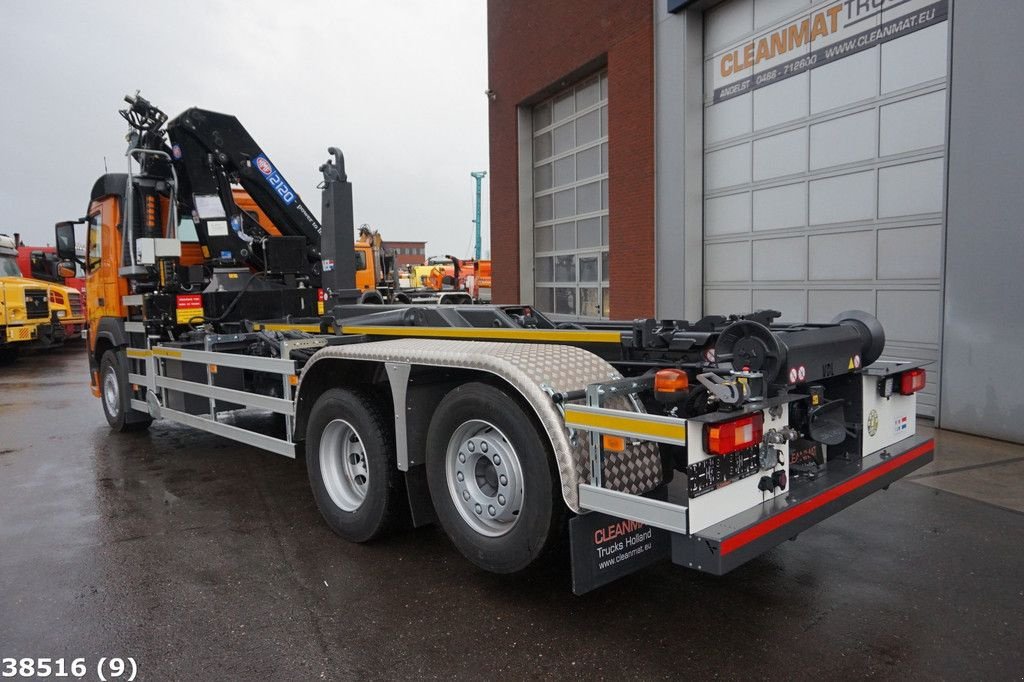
[(728, 437), (912, 381)]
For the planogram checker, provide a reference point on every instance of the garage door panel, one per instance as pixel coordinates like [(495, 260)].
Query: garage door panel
[(910, 316), (825, 304), (726, 301), (729, 214), (825, 155), (843, 140), (845, 81), (910, 252), (912, 124), (729, 119), (728, 22), (766, 12), (779, 155), (726, 167), (843, 198), (910, 188), (914, 59), (781, 259), (843, 256), (792, 303), (783, 102), (727, 262), (776, 208)]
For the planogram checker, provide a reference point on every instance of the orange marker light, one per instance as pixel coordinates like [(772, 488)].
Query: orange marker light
[(613, 443), (671, 381)]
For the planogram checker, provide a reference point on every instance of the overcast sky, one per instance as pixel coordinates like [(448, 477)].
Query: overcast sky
[(398, 85)]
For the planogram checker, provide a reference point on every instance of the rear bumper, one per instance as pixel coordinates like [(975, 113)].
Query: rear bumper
[(720, 548)]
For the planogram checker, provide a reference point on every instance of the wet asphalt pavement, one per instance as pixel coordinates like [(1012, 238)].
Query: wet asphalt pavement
[(203, 558)]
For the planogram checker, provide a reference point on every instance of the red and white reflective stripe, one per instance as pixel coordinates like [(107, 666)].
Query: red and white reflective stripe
[(745, 537)]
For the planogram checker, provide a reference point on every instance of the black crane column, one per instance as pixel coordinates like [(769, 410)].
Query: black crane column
[(336, 241)]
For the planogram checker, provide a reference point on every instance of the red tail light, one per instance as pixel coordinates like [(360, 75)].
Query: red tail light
[(726, 437), (912, 381)]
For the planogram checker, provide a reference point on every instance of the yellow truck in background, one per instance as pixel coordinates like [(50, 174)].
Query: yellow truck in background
[(32, 312)]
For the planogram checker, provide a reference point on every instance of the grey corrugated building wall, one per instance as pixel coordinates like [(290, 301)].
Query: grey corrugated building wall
[(983, 329)]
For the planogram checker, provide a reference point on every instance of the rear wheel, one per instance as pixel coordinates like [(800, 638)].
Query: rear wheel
[(492, 479), (350, 457), (115, 395)]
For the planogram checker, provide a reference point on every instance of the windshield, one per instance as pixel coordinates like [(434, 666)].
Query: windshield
[(9, 267)]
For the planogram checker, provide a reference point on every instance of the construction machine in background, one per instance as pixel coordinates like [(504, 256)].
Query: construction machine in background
[(33, 313), (42, 263), (703, 443), (455, 275)]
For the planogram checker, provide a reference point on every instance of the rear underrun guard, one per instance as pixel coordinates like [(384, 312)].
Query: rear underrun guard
[(722, 547), (605, 548)]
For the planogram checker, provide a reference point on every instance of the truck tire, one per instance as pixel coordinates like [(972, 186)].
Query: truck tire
[(350, 458), (492, 479), (115, 396)]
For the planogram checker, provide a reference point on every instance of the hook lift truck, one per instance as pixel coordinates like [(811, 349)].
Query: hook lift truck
[(706, 443)]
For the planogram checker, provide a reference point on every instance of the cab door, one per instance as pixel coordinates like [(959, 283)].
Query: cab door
[(104, 287)]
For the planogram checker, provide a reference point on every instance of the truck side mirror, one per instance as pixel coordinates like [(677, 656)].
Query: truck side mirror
[(65, 237)]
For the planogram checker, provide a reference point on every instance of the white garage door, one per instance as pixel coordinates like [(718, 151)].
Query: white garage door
[(824, 129)]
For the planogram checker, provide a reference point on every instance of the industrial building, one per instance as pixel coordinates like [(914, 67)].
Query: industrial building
[(407, 253), (679, 158)]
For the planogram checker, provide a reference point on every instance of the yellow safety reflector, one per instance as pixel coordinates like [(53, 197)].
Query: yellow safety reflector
[(613, 443), (851, 364)]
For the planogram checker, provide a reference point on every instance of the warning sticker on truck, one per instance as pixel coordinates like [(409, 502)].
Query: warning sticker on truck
[(188, 306)]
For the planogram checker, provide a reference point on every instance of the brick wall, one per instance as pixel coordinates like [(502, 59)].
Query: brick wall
[(537, 47)]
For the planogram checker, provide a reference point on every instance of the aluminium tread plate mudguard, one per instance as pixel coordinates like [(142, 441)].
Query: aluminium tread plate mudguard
[(532, 370)]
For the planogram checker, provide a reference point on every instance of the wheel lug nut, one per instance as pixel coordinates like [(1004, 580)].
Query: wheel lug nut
[(490, 510), (497, 460), (503, 479), (471, 446), (501, 499), (460, 476), (483, 446), (465, 495), (462, 458), (479, 509)]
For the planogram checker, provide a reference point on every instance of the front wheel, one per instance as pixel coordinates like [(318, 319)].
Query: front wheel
[(115, 395), (350, 458), (492, 479)]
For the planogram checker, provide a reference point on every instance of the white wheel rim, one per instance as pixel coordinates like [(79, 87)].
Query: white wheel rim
[(485, 478), (111, 393), (343, 465)]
